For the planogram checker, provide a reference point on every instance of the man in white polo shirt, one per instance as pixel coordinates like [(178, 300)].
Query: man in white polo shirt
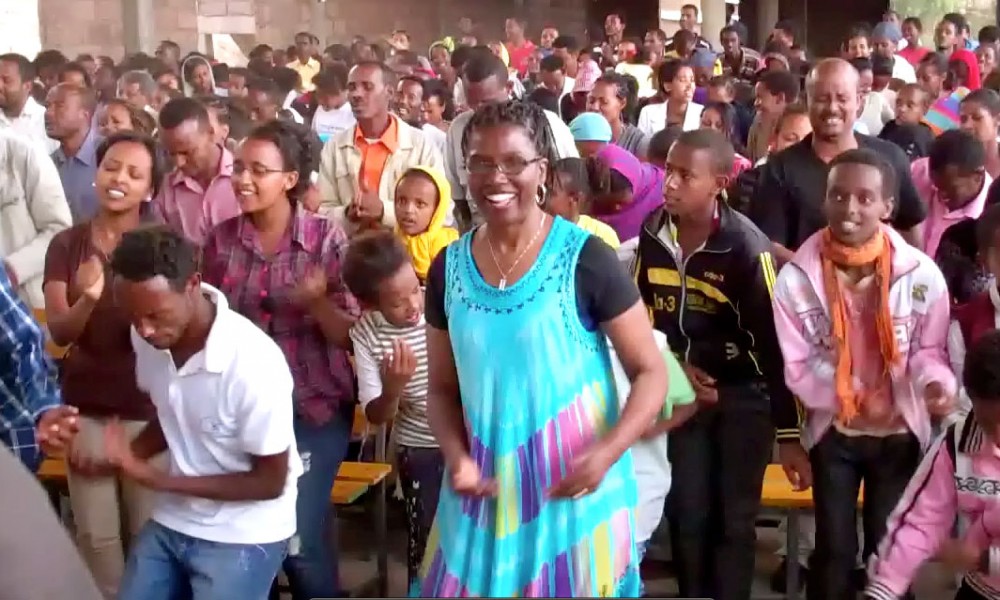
[(223, 397)]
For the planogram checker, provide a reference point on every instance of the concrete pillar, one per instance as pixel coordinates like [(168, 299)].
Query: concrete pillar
[(767, 15), (138, 26), (713, 19)]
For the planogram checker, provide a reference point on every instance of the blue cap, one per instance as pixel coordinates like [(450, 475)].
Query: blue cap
[(590, 127)]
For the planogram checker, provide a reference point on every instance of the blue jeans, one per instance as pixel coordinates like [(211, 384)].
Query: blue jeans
[(311, 565), (167, 565)]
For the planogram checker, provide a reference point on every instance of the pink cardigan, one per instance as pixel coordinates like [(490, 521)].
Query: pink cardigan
[(919, 302)]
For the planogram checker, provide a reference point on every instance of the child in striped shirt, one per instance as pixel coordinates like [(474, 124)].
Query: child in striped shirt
[(390, 354)]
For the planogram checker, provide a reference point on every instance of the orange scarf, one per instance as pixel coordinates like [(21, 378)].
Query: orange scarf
[(832, 254)]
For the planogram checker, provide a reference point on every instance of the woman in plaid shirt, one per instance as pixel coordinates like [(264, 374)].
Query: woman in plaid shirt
[(280, 266)]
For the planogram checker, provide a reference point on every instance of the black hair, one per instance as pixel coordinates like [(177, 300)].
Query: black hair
[(49, 59), (416, 80), (623, 91), (181, 110), (957, 148), (690, 7), (605, 180), (989, 35), (25, 68), (159, 251), (566, 42), (529, 117), (734, 28), (985, 97), (240, 123), (792, 110), (142, 121), (435, 88), (915, 22), (372, 258), (88, 97), (981, 373), (388, 77), (260, 66), (987, 228), (220, 72), (84, 57), (730, 126), (544, 97), (156, 173), (881, 65), (339, 53), (718, 145), (790, 27), (723, 81), (782, 83), (482, 65), (937, 60), (858, 30), (667, 71), (268, 87), (870, 158), (660, 143), (332, 80), (570, 175), (659, 34), (460, 56), (286, 78), (956, 19), (861, 64), (296, 145), (75, 67), (684, 35), (552, 63)]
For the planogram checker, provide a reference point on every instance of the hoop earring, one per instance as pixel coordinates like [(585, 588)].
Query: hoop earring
[(542, 193)]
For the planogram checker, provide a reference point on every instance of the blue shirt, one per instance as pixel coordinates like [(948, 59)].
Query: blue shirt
[(77, 175), (28, 385)]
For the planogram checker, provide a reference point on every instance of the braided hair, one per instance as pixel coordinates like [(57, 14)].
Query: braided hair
[(526, 115), (299, 149)]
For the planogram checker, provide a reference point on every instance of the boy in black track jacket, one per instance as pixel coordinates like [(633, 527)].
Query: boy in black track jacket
[(705, 273)]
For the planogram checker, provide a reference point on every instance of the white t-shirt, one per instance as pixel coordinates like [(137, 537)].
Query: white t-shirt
[(652, 467), (328, 123), (435, 136), (229, 401)]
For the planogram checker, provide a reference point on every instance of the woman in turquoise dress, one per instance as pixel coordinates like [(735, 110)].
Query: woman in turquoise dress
[(539, 495)]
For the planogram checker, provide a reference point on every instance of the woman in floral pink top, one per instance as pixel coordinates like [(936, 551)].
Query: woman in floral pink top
[(280, 266)]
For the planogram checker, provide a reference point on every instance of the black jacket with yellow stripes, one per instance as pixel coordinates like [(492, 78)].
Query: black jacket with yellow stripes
[(715, 306)]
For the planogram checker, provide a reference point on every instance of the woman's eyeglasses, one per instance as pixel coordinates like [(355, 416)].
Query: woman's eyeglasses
[(256, 169), (513, 165)]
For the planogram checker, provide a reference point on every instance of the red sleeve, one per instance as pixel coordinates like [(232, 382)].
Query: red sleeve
[(57, 259)]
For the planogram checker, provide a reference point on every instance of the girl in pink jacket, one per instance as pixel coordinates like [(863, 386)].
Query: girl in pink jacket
[(862, 318), (959, 476)]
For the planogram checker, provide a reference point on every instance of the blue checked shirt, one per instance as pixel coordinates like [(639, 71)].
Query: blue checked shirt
[(28, 385)]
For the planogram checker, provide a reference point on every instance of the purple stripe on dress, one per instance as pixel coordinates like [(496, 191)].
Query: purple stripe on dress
[(474, 508), (563, 580), (432, 581), (530, 497), (539, 587)]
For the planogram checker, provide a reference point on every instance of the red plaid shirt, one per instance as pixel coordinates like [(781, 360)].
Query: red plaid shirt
[(259, 288)]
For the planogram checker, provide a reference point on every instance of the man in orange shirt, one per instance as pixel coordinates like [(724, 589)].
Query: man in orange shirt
[(360, 166)]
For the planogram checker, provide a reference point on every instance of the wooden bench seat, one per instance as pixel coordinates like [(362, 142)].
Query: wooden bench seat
[(778, 496)]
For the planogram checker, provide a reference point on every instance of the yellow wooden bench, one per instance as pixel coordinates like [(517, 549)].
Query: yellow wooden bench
[(354, 480), (778, 496)]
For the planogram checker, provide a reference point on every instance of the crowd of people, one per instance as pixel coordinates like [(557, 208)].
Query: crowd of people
[(589, 285)]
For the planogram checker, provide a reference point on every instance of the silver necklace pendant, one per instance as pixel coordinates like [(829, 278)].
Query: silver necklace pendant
[(503, 284)]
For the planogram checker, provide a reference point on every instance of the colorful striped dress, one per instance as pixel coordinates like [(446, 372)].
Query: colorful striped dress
[(537, 390)]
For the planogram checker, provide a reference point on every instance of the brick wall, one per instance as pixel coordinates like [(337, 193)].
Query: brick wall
[(95, 26)]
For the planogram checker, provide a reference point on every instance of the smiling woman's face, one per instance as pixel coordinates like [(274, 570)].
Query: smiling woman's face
[(505, 172)]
